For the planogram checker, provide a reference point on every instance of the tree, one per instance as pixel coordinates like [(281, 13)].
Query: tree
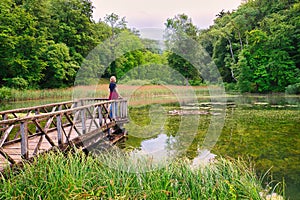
[(181, 36), (263, 68), (257, 45), (73, 25), (59, 71), (21, 46), (117, 25)]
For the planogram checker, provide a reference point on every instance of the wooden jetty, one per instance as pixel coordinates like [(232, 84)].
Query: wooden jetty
[(27, 132)]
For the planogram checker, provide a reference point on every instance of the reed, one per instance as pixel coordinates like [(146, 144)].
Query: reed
[(101, 90), (23, 95), (111, 176)]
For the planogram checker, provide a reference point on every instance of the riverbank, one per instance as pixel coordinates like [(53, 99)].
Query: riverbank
[(111, 176)]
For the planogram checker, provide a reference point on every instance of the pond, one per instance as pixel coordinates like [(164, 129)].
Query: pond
[(263, 130)]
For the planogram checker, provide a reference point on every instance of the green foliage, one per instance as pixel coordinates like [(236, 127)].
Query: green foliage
[(135, 82), (293, 89), (263, 69), (5, 93), (108, 176), (17, 83), (43, 44), (183, 51), (231, 87), (59, 69), (257, 45)]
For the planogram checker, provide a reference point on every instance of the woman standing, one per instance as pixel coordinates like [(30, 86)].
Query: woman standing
[(113, 91), (113, 94)]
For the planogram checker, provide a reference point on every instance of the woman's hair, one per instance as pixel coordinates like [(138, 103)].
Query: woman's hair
[(113, 79)]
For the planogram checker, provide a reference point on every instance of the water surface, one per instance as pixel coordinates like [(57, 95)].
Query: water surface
[(262, 129)]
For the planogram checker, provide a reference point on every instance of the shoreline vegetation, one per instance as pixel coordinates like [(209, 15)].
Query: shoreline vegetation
[(54, 43), (8, 94), (101, 90), (111, 175)]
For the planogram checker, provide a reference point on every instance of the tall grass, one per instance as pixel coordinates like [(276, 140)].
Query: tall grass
[(77, 176), (101, 90), (22, 95)]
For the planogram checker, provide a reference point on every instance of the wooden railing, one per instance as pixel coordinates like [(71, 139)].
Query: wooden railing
[(62, 120)]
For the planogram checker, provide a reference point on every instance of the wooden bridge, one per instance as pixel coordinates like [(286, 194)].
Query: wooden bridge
[(26, 132)]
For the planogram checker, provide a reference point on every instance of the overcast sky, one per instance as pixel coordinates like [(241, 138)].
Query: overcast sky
[(154, 13)]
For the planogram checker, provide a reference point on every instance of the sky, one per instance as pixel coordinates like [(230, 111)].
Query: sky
[(153, 13)]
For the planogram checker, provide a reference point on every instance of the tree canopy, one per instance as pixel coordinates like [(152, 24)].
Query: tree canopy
[(46, 43)]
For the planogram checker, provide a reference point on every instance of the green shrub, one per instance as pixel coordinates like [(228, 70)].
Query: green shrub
[(158, 82), (17, 83), (5, 93), (293, 89), (231, 87), (196, 82)]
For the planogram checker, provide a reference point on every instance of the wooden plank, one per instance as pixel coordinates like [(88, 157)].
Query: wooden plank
[(5, 135), (31, 118), (22, 110), (72, 122), (48, 124), (7, 157), (38, 146), (41, 129), (14, 114), (93, 116), (65, 134)]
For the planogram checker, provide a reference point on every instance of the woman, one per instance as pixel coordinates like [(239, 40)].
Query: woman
[(113, 91), (113, 94)]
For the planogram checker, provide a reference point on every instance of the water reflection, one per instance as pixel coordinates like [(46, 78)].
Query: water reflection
[(157, 149), (204, 156), (159, 152)]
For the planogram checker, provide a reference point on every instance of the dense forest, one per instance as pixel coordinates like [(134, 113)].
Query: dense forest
[(44, 43)]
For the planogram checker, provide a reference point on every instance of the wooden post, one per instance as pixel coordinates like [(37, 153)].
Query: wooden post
[(5, 135), (121, 109), (37, 111), (100, 115), (4, 117), (126, 109), (118, 109), (24, 140), (58, 128), (74, 105), (113, 110), (83, 121)]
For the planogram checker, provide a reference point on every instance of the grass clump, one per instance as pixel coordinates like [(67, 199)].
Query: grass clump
[(116, 176)]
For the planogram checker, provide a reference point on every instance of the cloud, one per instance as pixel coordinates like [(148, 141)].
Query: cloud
[(154, 13)]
